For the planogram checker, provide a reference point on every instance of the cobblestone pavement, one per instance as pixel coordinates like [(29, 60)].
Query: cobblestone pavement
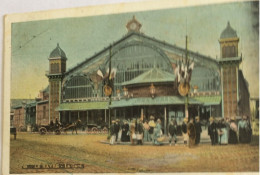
[(87, 150)]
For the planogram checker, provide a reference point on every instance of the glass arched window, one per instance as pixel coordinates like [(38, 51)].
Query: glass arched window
[(78, 87), (135, 59)]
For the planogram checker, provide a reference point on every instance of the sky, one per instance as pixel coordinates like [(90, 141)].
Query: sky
[(82, 37)]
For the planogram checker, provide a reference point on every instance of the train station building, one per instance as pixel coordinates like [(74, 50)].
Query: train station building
[(144, 76)]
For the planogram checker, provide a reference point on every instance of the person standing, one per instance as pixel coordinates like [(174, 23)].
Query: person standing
[(140, 131), (191, 133), (213, 131), (117, 127), (222, 133), (198, 129), (232, 139), (151, 127), (146, 131), (112, 133), (157, 132), (184, 131), (173, 132), (132, 132), (244, 130), (125, 132)]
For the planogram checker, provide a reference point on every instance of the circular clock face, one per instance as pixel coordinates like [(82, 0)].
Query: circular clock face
[(133, 26)]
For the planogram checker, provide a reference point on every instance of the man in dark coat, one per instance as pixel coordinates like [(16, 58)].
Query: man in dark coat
[(244, 130), (184, 131), (112, 133), (232, 138), (125, 132), (173, 131), (191, 133), (198, 129), (213, 131), (117, 128), (140, 131)]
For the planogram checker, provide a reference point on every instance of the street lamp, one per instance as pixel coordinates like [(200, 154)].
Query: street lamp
[(125, 92), (152, 90), (118, 93)]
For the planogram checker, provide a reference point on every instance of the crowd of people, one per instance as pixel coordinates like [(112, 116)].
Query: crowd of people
[(221, 132), (228, 132)]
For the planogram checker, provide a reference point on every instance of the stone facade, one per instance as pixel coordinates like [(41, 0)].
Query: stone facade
[(42, 113), (19, 118)]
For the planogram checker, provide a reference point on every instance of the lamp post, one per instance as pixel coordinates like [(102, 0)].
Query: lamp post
[(125, 92), (152, 90), (118, 93)]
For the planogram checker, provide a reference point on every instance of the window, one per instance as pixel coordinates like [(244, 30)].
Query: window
[(78, 87)]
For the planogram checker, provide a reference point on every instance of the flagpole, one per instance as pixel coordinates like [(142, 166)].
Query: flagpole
[(110, 99), (186, 60)]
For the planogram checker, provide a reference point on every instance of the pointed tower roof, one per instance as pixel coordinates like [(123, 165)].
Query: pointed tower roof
[(228, 32), (58, 52)]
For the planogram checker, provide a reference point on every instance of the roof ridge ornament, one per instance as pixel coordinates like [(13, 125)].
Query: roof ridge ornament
[(133, 25)]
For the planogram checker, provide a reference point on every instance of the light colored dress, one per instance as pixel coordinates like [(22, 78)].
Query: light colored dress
[(157, 133), (223, 136)]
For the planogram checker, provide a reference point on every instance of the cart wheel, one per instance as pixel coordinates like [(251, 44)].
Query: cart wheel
[(105, 130), (43, 131), (94, 130), (57, 132)]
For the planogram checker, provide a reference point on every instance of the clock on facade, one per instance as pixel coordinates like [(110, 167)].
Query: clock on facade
[(133, 26)]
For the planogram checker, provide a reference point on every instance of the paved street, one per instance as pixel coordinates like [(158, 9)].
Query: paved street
[(87, 150)]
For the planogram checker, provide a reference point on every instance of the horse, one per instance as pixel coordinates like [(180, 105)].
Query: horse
[(73, 126)]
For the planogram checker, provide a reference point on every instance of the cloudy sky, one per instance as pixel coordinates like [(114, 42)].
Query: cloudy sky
[(81, 37)]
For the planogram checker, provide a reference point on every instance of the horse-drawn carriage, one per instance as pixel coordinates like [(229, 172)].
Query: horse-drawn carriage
[(94, 128), (44, 129), (57, 128)]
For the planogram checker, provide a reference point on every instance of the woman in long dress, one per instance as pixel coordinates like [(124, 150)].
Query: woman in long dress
[(146, 131), (244, 130), (132, 132), (157, 132), (232, 139), (125, 132), (151, 128), (222, 133)]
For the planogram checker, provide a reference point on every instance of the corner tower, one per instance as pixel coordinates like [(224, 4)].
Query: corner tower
[(229, 63), (57, 68)]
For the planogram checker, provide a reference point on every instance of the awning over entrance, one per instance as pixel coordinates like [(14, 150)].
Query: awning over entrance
[(167, 100), (82, 106), (209, 100)]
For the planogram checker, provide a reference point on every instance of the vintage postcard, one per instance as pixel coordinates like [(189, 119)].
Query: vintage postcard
[(143, 87)]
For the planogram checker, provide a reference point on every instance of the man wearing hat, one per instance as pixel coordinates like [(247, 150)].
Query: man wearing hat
[(184, 131), (198, 129), (191, 132), (125, 132), (112, 133), (117, 128), (173, 131), (151, 126), (140, 130), (213, 131)]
